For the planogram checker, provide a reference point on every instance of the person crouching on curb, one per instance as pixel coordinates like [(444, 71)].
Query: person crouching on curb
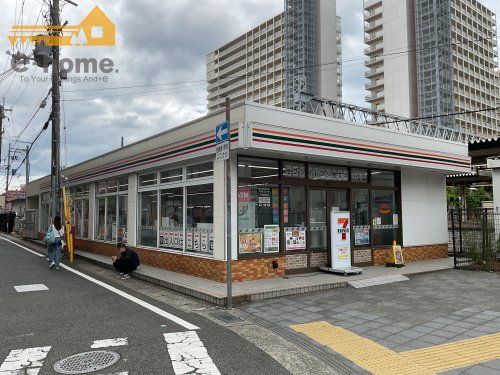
[(127, 262)]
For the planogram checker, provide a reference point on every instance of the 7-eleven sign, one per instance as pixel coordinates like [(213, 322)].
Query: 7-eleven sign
[(343, 227)]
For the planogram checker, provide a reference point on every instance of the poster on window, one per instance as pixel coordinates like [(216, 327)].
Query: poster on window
[(211, 242), (361, 236), (246, 208), (196, 241), (295, 239), (189, 241), (250, 243), (271, 238), (204, 242)]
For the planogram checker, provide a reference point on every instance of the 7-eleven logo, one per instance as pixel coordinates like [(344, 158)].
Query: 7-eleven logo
[(343, 223)]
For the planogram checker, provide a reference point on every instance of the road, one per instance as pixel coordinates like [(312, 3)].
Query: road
[(80, 312)]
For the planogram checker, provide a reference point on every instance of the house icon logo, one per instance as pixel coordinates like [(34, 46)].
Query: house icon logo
[(95, 30)]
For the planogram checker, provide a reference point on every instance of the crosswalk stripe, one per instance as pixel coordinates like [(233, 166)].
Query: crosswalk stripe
[(24, 361), (109, 343), (188, 354)]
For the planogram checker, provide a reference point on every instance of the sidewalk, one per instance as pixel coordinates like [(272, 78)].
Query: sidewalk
[(215, 292)]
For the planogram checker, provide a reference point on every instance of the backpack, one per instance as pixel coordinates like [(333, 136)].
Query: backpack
[(50, 237)]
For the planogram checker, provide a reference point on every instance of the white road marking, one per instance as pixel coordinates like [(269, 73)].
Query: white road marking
[(24, 361), (189, 355), (131, 298), (30, 288), (109, 343)]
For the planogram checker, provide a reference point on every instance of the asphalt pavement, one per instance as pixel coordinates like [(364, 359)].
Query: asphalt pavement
[(82, 312)]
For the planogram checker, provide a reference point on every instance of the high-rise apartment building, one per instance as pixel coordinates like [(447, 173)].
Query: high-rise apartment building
[(307, 35), (431, 58)]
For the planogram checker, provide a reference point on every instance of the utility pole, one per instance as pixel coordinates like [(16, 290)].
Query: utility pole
[(2, 116), (7, 182), (229, 273), (27, 165), (55, 172)]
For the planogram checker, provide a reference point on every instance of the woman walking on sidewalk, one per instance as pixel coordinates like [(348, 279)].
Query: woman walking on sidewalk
[(54, 249)]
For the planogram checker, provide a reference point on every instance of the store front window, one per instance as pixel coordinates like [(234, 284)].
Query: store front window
[(148, 223), (309, 192), (122, 218), (101, 218), (80, 210), (199, 218), (112, 207), (295, 217), (385, 218), (184, 200), (172, 218), (258, 218), (318, 220), (360, 217)]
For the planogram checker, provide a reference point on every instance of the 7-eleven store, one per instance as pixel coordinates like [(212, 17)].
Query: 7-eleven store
[(165, 195)]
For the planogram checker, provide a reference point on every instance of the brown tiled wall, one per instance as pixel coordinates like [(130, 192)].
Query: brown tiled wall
[(362, 256), (414, 253), (319, 259), (296, 261), (248, 269), (243, 270)]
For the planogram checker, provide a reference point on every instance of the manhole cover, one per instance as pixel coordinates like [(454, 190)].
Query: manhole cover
[(83, 363)]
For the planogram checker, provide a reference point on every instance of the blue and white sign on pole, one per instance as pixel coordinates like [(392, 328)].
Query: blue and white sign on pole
[(222, 132), (222, 141)]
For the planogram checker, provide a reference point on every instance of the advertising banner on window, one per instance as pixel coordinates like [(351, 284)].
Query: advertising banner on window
[(361, 236), (250, 243), (204, 242), (271, 238), (295, 239)]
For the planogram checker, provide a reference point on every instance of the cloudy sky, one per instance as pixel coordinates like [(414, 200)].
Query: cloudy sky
[(161, 51)]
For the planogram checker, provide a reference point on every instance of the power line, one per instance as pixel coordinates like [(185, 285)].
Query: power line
[(146, 93)]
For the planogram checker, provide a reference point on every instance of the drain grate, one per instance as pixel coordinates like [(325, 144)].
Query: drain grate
[(84, 363)]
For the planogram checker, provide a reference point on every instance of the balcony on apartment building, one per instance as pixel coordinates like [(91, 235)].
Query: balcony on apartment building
[(374, 96), (375, 37), (376, 84), (374, 49), (373, 72), (374, 25)]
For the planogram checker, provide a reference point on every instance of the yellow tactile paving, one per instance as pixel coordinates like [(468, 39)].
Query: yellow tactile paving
[(457, 354), (380, 360), (365, 353)]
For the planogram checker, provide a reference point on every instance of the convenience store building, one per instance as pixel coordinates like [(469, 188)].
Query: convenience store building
[(165, 195)]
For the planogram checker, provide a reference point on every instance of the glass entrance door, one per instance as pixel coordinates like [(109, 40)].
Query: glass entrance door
[(337, 201)]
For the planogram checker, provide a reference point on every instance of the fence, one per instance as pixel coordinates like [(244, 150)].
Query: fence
[(475, 239), (31, 224)]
